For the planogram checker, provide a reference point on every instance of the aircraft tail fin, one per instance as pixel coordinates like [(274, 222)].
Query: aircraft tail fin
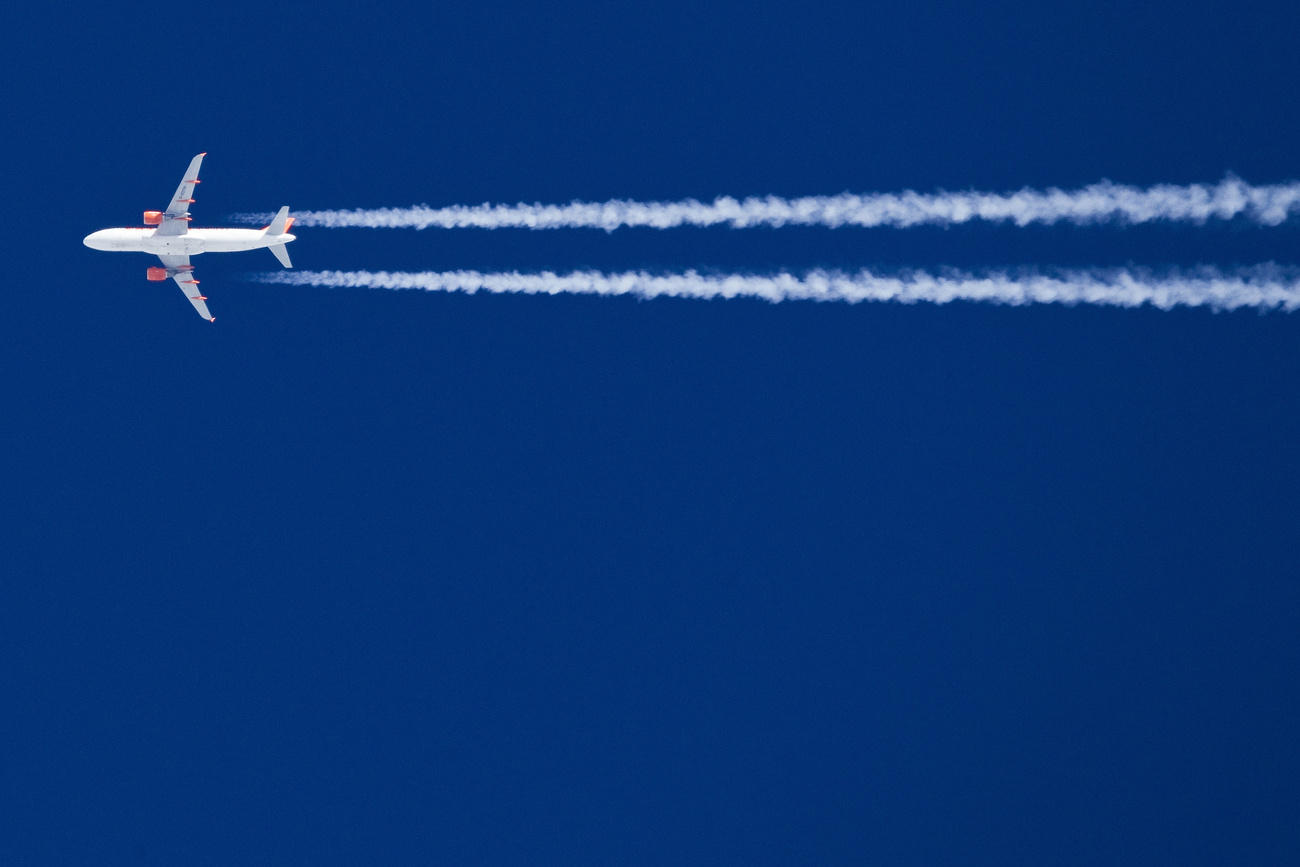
[(278, 225), (281, 253)]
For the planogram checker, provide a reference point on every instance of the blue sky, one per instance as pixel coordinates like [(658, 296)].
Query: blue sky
[(400, 577)]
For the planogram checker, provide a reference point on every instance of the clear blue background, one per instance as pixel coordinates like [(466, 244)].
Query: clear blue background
[(366, 577)]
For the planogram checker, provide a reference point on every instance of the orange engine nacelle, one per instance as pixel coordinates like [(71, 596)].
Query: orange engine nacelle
[(153, 218), (156, 274)]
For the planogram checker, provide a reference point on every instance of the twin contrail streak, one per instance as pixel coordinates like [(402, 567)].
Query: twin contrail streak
[(1195, 203), (1264, 287)]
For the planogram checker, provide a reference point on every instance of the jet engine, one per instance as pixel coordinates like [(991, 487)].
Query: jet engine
[(153, 218), (156, 274)]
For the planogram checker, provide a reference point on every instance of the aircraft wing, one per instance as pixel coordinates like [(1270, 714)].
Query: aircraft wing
[(176, 219), (183, 273)]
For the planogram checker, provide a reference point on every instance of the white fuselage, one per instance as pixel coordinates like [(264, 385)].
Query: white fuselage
[(192, 243)]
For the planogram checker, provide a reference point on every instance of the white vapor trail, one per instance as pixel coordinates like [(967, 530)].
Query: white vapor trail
[(1263, 287), (1105, 201)]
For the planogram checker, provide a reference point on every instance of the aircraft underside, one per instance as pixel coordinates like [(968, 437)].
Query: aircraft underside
[(168, 236)]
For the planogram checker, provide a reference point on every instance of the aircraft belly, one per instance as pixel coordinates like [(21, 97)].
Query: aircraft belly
[(228, 240), (174, 245)]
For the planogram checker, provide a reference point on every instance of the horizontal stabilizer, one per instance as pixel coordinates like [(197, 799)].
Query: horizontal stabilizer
[(282, 254), (278, 224)]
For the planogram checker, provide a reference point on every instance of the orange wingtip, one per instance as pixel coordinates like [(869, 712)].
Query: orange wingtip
[(213, 319)]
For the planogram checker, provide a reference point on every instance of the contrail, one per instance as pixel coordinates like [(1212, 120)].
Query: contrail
[(1264, 287), (1196, 203)]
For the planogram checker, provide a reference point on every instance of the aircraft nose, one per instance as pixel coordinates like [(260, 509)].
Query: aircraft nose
[(93, 240)]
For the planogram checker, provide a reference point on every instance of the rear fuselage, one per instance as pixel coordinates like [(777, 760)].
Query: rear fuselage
[(192, 243)]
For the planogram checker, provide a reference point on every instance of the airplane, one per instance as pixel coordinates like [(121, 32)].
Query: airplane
[(174, 242)]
